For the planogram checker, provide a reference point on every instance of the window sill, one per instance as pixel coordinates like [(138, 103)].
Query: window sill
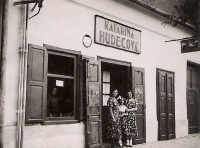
[(55, 122)]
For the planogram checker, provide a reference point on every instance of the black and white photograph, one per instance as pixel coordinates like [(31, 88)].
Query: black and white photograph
[(99, 73)]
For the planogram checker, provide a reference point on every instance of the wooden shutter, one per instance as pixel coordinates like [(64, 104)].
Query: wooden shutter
[(36, 80), (138, 87), (93, 104), (81, 81)]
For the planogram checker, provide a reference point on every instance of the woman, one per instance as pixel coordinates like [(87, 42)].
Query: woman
[(123, 116), (114, 125), (53, 104), (131, 127)]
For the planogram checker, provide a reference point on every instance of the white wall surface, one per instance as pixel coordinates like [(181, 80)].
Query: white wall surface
[(63, 24)]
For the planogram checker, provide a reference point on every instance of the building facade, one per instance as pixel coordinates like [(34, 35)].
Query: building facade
[(82, 50)]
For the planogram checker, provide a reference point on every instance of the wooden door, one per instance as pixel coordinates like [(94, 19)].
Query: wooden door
[(170, 106), (138, 84), (192, 98), (165, 105), (93, 105)]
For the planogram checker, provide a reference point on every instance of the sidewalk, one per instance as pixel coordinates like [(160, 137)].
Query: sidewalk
[(191, 141)]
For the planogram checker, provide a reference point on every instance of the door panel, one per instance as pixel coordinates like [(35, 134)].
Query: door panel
[(166, 106), (170, 105), (93, 104), (162, 106), (192, 111), (138, 84)]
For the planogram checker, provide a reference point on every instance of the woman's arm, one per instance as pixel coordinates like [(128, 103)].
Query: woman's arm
[(131, 110), (111, 113)]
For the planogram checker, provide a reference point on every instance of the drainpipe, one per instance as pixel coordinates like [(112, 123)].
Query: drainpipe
[(3, 47), (160, 12), (23, 52)]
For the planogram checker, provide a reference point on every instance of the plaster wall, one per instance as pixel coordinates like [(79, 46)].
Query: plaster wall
[(63, 24), (10, 73)]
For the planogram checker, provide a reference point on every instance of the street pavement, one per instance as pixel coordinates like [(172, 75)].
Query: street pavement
[(191, 141)]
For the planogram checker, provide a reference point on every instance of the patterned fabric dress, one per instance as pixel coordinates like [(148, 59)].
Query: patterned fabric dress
[(114, 128), (130, 126), (123, 117)]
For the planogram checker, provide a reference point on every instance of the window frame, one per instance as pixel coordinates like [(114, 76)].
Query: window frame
[(66, 53), (65, 77), (77, 97)]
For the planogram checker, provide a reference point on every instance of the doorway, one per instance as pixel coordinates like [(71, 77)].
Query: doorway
[(165, 105), (109, 74), (193, 98), (113, 76)]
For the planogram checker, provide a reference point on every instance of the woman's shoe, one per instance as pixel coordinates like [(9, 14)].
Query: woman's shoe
[(127, 143), (130, 144), (120, 143)]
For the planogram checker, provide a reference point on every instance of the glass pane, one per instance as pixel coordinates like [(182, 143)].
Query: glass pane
[(106, 76), (105, 99), (138, 77), (106, 88), (60, 97), (60, 65)]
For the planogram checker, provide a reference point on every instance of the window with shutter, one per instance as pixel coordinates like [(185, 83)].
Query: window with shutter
[(53, 85)]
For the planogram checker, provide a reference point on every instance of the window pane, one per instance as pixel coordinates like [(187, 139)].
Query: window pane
[(60, 65), (106, 76), (106, 88), (60, 100), (105, 99)]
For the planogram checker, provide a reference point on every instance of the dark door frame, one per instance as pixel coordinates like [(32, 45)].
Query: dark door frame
[(116, 62), (198, 97), (158, 101)]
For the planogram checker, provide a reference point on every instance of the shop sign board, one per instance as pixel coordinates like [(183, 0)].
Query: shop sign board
[(113, 34), (190, 45)]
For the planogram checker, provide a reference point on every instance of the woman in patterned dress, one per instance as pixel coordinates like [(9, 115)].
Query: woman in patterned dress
[(114, 125), (123, 116), (131, 127)]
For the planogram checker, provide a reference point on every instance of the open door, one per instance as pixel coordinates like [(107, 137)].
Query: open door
[(93, 105), (138, 84)]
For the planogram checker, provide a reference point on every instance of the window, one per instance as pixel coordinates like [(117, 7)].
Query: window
[(106, 87), (52, 85), (61, 85)]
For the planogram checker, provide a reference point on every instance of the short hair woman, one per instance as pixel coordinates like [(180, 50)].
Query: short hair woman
[(131, 127), (114, 124)]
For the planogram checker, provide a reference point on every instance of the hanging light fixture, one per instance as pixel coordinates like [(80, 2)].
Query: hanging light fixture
[(37, 2)]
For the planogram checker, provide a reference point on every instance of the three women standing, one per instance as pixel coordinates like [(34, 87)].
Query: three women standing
[(128, 124)]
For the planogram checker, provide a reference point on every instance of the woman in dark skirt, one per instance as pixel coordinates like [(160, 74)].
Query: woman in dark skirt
[(130, 126), (114, 124)]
